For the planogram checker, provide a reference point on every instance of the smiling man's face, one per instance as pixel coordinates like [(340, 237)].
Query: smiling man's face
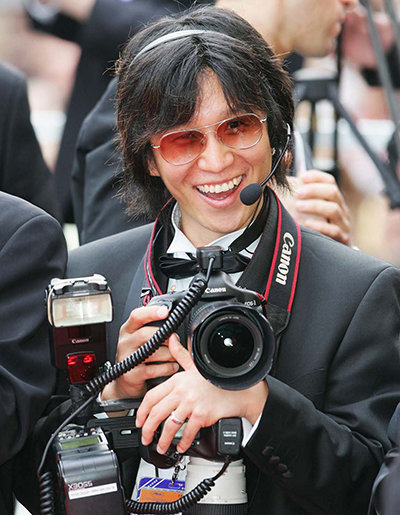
[(208, 188)]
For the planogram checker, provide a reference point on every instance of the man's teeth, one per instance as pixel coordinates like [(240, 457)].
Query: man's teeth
[(219, 188)]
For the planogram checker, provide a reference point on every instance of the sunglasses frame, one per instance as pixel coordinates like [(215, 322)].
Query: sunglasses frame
[(201, 129)]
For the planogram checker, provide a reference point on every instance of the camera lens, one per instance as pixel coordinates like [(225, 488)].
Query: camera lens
[(231, 344)]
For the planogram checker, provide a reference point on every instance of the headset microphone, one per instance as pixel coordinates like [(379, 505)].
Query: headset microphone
[(251, 193)]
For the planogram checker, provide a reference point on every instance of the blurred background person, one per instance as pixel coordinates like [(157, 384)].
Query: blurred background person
[(32, 251), (99, 27), (23, 171)]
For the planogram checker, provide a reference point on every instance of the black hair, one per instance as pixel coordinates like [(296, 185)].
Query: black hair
[(160, 90)]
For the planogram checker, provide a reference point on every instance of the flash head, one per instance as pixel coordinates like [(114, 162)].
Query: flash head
[(78, 310), (79, 301)]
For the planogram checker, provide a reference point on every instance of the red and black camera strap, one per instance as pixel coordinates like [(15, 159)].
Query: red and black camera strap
[(272, 271)]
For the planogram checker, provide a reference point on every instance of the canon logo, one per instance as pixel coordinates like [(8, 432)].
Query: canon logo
[(216, 290), (80, 485), (80, 340), (284, 262)]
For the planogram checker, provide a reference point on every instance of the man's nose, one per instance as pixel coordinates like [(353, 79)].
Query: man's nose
[(215, 156)]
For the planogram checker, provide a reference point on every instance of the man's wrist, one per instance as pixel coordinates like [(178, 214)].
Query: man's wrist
[(256, 405)]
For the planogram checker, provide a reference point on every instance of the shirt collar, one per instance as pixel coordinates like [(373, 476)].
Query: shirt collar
[(180, 243)]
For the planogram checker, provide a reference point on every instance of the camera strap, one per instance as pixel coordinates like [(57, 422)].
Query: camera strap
[(272, 270)]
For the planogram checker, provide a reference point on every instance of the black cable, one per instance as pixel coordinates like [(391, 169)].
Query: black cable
[(184, 503), (60, 427), (171, 324), (47, 497)]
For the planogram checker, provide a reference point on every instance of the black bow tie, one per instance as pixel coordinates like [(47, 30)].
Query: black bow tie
[(233, 261), (180, 268)]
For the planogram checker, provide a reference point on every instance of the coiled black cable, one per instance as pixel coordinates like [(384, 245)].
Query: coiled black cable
[(170, 325), (184, 503), (47, 497)]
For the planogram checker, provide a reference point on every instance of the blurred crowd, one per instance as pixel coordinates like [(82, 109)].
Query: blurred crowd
[(49, 55)]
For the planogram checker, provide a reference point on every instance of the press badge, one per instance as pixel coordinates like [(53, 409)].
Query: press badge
[(158, 489)]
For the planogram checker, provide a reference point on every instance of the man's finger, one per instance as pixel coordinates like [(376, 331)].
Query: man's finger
[(144, 315), (310, 176), (179, 353)]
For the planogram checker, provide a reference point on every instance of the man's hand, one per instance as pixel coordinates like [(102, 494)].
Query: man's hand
[(193, 398), (318, 204), (133, 334)]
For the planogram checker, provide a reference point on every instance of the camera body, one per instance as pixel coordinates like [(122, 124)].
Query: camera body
[(212, 443), (230, 339)]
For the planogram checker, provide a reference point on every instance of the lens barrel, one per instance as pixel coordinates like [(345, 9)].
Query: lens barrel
[(232, 344), (227, 497)]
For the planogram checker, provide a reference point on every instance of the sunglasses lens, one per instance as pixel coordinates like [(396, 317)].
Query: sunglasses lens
[(181, 147), (240, 132)]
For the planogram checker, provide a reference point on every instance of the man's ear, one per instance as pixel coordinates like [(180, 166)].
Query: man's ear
[(152, 167)]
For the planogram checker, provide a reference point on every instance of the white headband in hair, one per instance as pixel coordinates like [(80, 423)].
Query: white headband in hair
[(175, 35)]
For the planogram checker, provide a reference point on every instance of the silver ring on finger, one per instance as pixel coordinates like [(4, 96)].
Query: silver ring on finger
[(175, 419)]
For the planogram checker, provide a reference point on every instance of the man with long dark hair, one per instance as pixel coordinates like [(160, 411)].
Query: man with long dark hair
[(307, 27), (204, 111)]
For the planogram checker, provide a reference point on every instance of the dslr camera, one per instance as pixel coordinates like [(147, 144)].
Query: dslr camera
[(232, 344), (231, 341)]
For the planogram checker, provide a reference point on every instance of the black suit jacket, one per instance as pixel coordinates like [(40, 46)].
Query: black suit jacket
[(23, 171), (96, 175), (385, 499), (101, 39), (389, 492), (32, 251), (322, 434)]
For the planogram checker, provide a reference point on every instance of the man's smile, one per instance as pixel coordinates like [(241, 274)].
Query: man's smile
[(224, 187)]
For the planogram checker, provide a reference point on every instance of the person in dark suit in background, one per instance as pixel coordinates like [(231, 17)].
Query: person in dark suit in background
[(385, 496), (32, 251), (319, 418), (390, 499), (100, 27), (99, 210), (23, 172), (96, 175)]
